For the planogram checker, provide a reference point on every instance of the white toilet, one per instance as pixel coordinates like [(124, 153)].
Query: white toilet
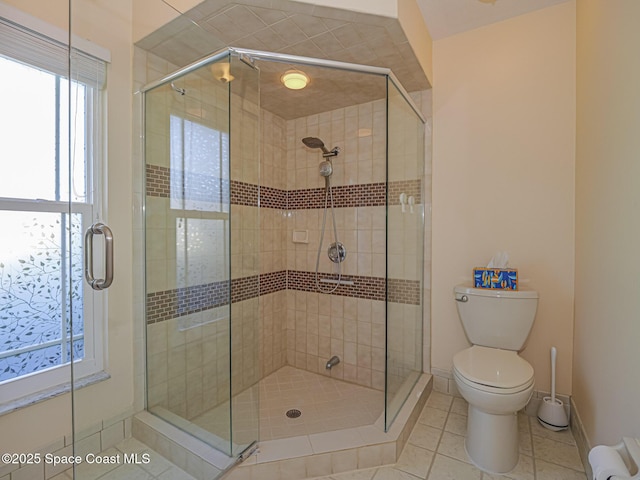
[(490, 375)]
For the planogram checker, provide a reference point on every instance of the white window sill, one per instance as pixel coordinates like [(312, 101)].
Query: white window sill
[(52, 392)]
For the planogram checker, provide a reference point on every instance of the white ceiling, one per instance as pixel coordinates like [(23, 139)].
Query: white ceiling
[(448, 17)]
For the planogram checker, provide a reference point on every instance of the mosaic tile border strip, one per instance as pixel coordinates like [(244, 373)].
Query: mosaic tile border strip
[(200, 187), (158, 180), (250, 287), (412, 188), (179, 302), (362, 195), (211, 189), (404, 291), (371, 288)]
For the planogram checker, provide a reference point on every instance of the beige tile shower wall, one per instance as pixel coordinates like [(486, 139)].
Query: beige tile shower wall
[(188, 370), (273, 240), (245, 137), (273, 246), (359, 131), (244, 167), (320, 326), (356, 335), (273, 158), (273, 225), (273, 314), (245, 345), (360, 229)]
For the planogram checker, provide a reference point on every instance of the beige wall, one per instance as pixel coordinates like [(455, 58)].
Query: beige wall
[(412, 21), (503, 170), (107, 24), (606, 385)]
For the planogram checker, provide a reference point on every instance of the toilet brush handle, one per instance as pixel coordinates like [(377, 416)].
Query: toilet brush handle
[(554, 353)]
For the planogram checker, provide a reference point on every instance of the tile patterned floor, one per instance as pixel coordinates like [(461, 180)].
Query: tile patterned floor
[(435, 450), (158, 467)]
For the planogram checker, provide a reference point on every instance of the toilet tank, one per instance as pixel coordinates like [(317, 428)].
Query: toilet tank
[(496, 318)]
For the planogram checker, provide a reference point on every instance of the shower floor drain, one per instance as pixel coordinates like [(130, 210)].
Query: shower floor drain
[(293, 413)]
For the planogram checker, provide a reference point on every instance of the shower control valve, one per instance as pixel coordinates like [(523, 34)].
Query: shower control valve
[(337, 252)]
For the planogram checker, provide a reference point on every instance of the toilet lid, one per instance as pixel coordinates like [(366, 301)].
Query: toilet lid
[(493, 367)]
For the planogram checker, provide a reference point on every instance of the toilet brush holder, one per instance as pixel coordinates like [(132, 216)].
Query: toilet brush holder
[(551, 412)]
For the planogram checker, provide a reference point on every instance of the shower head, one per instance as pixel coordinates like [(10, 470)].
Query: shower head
[(313, 142)]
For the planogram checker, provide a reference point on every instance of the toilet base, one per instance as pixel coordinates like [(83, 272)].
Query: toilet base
[(492, 440)]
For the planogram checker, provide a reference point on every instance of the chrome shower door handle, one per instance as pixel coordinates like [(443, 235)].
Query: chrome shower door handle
[(98, 229)]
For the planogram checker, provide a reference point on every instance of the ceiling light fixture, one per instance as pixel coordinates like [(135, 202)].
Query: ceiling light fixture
[(294, 79)]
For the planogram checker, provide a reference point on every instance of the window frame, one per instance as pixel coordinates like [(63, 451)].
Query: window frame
[(94, 306)]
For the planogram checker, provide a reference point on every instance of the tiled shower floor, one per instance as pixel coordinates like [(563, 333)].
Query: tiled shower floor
[(326, 404), (158, 467)]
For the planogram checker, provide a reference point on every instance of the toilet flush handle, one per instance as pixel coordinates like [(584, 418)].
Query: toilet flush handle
[(463, 299)]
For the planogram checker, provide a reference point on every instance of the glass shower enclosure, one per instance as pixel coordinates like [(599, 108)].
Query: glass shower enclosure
[(204, 192), (201, 142)]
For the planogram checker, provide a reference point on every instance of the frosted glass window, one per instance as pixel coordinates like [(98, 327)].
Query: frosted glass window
[(199, 166)]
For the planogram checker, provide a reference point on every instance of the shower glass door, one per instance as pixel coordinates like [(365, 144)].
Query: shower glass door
[(405, 254), (38, 248), (244, 251), (201, 252)]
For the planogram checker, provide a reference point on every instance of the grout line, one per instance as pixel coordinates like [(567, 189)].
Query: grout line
[(533, 453), (446, 419)]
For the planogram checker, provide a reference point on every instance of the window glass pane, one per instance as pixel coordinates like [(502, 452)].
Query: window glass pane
[(80, 153), (27, 132), (199, 155), (36, 265), (31, 109)]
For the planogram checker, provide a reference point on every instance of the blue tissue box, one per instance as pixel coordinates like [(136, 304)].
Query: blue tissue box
[(498, 278)]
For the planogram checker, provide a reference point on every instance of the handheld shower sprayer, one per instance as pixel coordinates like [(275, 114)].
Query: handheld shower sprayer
[(339, 252)]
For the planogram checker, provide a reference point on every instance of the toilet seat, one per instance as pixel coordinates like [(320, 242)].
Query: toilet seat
[(493, 370)]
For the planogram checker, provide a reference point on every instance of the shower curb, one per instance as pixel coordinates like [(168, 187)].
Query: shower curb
[(195, 457), (329, 453)]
